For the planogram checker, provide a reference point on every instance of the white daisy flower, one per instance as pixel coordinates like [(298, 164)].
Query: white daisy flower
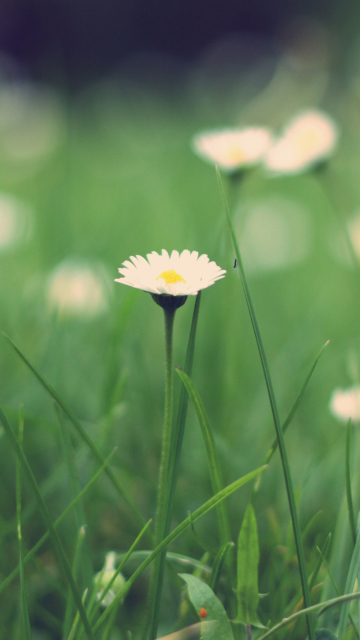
[(233, 149), (345, 404), (76, 288), (180, 275), (309, 139)]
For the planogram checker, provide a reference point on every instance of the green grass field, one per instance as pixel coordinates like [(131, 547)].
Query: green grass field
[(110, 174)]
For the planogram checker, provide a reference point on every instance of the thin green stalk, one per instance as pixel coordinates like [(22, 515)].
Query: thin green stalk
[(289, 418), (348, 484), (322, 606), (274, 410), (24, 600), (161, 512)]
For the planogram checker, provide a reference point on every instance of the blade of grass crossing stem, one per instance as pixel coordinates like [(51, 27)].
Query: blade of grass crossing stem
[(63, 561), (319, 562), (77, 619), (350, 583), (337, 589), (274, 410), (24, 600), (75, 569), (121, 565), (175, 450), (205, 508), (218, 565), (348, 484), (78, 426), (290, 416), (40, 542), (211, 452), (87, 568)]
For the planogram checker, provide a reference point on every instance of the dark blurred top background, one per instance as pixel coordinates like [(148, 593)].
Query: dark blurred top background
[(79, 41)]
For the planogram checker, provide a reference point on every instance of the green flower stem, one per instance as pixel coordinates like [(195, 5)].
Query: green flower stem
[(276, 419), (161, 513)]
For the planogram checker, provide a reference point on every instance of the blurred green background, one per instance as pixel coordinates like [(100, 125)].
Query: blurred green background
[(92, 176)]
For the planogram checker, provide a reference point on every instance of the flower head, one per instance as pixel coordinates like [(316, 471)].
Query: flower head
[(345, 404), (177, 275), (102, 579), (77, 289), (309, 139), (233, 149)]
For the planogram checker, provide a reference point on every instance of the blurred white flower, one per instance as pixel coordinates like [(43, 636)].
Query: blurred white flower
[(103, 578), (16, 221), (181, 274), (354, 232), (345, 404), (77, 289), (275, 232), (308, 139), (233, 149)]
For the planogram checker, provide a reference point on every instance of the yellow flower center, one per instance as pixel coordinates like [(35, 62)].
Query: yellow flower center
[(235, 155), (171, 277), (308, 140)]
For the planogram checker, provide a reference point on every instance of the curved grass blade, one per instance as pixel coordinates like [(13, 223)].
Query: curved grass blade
[(24, 600), (60, 519), (274, 410), (349, 499), (350, 583), (211, 452), (322, 606), (63, 561), (205, 508), (75, 569), (247, 571), (78, 426)]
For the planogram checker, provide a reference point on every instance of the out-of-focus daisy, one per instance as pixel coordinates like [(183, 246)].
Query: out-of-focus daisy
[(345, 404), (275, 233), (233, 149), (77, 289), (178, 275), (103, 578), (308, 139), (15, 221)]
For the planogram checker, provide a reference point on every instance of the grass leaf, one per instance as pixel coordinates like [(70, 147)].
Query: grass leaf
[(217, 623)]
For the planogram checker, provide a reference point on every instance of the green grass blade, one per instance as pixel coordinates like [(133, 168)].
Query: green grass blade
[(217, 624), (77, 619), (60, 519), (323, 553), (82, 432), (321, 606), (211, 452), (121, 565), (349, 498), (24, 600), (350, 583), (75, 569), (63, 561), (248, 555), (274, 410), (292, 411), (337, 589), (87, 568), (219, 564), (205, 508)]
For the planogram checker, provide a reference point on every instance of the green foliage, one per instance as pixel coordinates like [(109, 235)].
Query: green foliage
[(247, 571), (217, 624)]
